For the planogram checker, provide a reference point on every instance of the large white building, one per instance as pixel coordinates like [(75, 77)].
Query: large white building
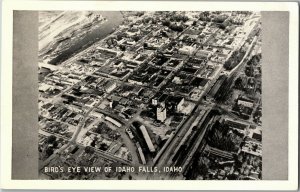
[(188, 50), (246, 103), (161, 113)]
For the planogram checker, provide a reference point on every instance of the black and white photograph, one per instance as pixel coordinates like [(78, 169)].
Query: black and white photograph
[(149, 95)]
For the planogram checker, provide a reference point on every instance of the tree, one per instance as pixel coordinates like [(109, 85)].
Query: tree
[(255, 147), (239, 83), (98, 130), (206, 13), (136, 38), (93, 143), (203, 169), (49, 151), (89, 150), (204, 16), (140, 13), (166, 23), (232, 177), (222, 26), (55, 144), (51, 139), (179, 18), (147, 20), (103, 147), (119, 177), (122, 47), (145, 45), (178, 28)]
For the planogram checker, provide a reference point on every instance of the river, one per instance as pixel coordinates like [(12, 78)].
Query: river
[(114, 19)]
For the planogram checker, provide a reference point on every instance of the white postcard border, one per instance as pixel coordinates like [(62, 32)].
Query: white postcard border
[(6, 96)]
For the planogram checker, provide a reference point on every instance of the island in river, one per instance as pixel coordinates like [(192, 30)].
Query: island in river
[(69, 32)]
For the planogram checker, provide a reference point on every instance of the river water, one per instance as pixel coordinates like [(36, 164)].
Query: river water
[(114, 19)]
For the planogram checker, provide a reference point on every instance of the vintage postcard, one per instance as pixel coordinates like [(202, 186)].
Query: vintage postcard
[(136, 95)]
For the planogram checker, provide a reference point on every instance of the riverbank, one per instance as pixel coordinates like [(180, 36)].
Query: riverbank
[(114, 19)]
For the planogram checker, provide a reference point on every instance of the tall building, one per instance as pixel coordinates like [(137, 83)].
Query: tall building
[(161, 113), (154, 101)]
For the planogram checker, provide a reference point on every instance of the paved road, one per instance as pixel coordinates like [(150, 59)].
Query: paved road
[(238, 67), (109, 156), (179, 134), (164, 160)]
